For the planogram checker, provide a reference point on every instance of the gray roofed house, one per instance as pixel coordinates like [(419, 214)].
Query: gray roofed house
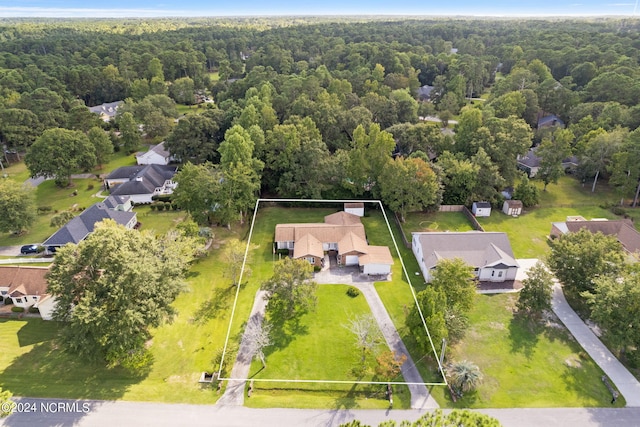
[(489, 253), (78, 228), (106, 111), (140, 183), (424, 92), (530, 163)]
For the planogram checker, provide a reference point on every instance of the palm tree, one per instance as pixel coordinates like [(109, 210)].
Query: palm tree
[(464, 376)]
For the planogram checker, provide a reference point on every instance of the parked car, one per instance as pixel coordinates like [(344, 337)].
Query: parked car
[(29, 249)]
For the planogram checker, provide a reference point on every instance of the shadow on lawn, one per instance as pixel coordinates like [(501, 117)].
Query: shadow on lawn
[(210, 309), (524, 335), (46, 371)]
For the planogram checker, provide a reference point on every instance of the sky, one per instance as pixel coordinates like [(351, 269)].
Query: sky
[(163, 8)]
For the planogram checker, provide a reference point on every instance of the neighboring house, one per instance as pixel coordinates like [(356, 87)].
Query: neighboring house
[(77, 229), (530, 163), (622, 229), (342, 235), (354, 208), (424, 92), (489, 253), (141, 183), (512, 207), (550, 121), (480, 209), (157, 155), (106, 111), (26, 286)]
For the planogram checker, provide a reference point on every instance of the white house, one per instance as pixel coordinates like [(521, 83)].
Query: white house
[(489, 253), (354, 208), (157, 155), (341, 235), (106, 111), (142, 182), (512, 207), (24, 285), (481, 209)]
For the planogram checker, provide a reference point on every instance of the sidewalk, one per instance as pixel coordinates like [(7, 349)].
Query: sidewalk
[(420, 397), (234, 393), (626, 383)]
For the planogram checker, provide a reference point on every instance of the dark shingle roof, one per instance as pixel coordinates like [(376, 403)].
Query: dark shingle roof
[(142, 179), (482, 204), (113, 202), (79, 227)]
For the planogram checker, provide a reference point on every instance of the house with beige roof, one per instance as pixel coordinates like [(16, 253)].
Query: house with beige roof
[(27, 286), (623, 230), (489, 253), (342, 235)]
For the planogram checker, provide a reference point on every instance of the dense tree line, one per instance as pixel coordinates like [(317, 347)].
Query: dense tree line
[(324, 105)]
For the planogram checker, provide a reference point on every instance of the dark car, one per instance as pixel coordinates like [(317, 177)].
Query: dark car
[(29, 249)]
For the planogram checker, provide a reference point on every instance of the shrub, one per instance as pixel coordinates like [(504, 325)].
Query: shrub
[(353, 292), (162, 198), (618, 210), (8, 301), (161, 207), (174, 206), (33, 309), (316, 268), (90, 187), (153, 207), (282, 251), (44, 209), (17, 309)]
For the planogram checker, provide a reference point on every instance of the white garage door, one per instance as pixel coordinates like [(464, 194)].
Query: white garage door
[(351, 260), (376, 269)]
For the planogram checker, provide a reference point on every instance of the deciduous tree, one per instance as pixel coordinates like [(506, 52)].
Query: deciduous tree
[(112, 288), (18, 207), (58, 153), (102, 144), (198, 190), (291, 290), (535, 296), (579, 259), (409, 185)]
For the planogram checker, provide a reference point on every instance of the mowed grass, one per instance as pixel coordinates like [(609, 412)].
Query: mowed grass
[(182, 348), (435, 221), (58, 199), (526, 365), (158, 221), (320, 347), (324, 325)]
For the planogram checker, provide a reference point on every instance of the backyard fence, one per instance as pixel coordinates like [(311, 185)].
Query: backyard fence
[(451, 208), (399, 224)]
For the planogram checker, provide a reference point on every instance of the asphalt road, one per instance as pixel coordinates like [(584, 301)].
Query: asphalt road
[(67, 413)]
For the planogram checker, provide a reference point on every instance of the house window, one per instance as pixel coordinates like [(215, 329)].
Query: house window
[(311, 260), (499, 273), (19, 300)]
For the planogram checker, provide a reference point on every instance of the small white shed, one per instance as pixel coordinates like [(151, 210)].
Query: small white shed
[(512, 207), (354, 208), (481, 209)]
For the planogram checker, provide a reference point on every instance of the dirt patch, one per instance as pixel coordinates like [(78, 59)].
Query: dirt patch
[(573, 361), (497, 325)]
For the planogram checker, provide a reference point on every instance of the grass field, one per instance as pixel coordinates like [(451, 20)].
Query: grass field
[(435, 221), (525, 365), (182, 349), (321, 348), (305, 395)]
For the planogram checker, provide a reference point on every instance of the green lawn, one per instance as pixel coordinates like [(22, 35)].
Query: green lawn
[(317, 326), (191, 109), (182, 349), (524, 365), (435, 221), (158, 221), (58, 199), (320, 347)]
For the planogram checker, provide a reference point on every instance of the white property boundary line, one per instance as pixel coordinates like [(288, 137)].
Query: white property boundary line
[(235, 302)]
